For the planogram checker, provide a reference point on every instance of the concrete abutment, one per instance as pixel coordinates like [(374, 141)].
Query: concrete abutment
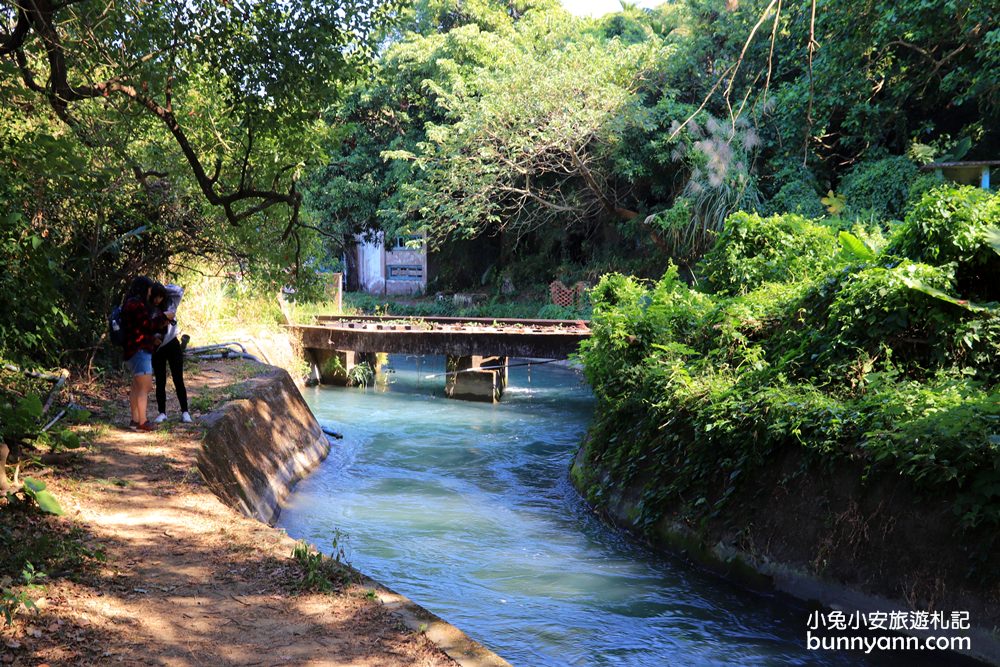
[(258, 445)]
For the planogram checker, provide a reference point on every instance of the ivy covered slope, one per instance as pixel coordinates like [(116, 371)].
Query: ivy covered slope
[(853, 372)]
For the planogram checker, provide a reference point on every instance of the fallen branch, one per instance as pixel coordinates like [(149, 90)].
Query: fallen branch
[(51, 377), (59, 379)]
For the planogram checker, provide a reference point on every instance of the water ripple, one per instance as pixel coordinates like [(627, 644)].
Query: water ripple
[(467, 509)]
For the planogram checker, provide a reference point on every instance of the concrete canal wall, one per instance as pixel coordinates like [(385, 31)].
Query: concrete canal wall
[(263, 441), (825, 536)]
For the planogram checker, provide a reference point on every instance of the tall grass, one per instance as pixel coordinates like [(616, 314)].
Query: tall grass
[(220, 310), (305, 313), (720, 156), (366, 304)]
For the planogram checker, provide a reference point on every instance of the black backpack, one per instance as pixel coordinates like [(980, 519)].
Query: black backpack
[(116, 328)]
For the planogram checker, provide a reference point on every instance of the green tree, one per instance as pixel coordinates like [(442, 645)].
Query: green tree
[(136, 135), (432, 54), (826, 91), (530, 136), (230, 90)]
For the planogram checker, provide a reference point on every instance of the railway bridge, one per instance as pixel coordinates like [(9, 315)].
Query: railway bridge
[(476, 349)]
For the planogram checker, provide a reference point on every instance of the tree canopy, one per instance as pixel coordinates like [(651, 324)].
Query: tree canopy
[(135, 134), (237, 86), (488, 118), (138, 134), (528, 142)]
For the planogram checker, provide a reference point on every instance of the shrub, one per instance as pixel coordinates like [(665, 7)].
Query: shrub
[(718, 156), (976, 342), (941, 434), (731, 333), (878, 189), (631, 319), (796, 196), (319, 572), (955, 225), (551, 311), (813, 339), (947, 224), (920, 185), (675, 227), (877, 307), (752, 250)]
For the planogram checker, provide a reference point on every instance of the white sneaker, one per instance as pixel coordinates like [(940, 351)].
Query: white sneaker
[(186, 417), (162, 417)]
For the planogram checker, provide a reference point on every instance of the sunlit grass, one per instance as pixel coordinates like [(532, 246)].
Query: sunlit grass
[(305, 313), (221, 310)]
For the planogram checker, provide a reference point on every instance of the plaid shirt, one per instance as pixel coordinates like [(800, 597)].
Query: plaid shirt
[(141, 324)]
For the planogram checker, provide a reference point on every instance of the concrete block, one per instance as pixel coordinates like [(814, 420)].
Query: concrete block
[(467, 381)]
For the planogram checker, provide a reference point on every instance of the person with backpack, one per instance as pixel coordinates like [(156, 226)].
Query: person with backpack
[(141, 323), (170, 351)]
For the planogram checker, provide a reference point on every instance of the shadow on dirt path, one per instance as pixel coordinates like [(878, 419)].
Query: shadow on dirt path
[(185, 579)]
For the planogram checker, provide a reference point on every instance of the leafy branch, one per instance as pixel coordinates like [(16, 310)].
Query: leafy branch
[(152, 56)]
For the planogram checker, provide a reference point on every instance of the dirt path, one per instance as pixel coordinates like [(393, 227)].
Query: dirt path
[(186, 580)]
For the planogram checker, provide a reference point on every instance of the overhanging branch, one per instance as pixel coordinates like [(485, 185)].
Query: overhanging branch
[(38, 16)]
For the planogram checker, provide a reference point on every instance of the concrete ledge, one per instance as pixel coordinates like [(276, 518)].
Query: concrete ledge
[(263, 441), (447, 637), (258, 445), (799, 583)]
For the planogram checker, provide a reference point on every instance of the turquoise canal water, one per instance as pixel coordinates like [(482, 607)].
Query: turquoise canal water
[(467, 509)]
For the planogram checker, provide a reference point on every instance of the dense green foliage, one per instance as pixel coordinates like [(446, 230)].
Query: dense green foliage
[(752, 251), (821, 293), (140, 137), (879, 189), (373, 305), (878, 358), (264, 137), (563, 134)]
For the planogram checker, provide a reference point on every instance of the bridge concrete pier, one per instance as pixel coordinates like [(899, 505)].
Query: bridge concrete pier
[(337, 344), (468, 381), (335, 366)]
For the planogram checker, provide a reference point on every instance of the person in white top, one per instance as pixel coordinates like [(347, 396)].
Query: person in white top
[(170, 351)]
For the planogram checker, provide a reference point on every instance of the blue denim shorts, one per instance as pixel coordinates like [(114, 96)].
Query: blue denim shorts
[(141, 363)]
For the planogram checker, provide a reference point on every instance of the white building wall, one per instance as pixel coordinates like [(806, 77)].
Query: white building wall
[(398, 270), (370, 276)]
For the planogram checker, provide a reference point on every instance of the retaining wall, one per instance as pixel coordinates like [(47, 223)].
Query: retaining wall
[(259, 444), (263, 441), (827, 538)]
